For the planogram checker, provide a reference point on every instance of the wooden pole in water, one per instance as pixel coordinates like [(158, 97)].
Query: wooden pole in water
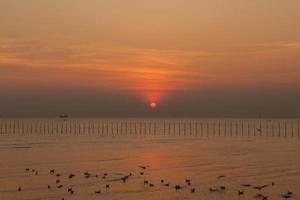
[(285, 129), (55, 129), (8, 127), (14, 128), (113, 127), (214, 131), (201, 128), (61, 127), (174, 127), (207, 126), (98, 128), (5, 127), (79, 128), (196, 128), (267, 125), (292, 127), (190, 128), (82, 127), (248, 129), (140, 127), (74, 127), (23, 127), (164, 127), (219, 129), (279, 127), (1, 128), (130, 124), (121, 129), (117, 128), (260, 130), (242, 127), (225, 128), (298, 128)]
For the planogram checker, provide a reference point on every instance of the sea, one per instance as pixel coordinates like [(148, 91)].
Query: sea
[(149, 158)]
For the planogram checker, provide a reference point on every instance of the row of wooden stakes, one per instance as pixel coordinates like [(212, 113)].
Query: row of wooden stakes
[(154, 127)]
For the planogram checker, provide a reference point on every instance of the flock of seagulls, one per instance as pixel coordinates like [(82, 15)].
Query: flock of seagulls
[(187, 183)]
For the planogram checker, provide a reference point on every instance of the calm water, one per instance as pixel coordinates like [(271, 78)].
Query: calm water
[(173, 154)]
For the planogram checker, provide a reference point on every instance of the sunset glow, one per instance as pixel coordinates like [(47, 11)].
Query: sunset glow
[(106, 48)]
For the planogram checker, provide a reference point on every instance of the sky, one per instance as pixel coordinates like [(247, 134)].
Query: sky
[(194, 58)]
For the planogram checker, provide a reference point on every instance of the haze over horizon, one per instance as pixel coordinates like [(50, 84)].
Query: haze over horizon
[(194, 58)]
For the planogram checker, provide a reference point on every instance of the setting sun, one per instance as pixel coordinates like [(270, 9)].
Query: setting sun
[(153, 105)]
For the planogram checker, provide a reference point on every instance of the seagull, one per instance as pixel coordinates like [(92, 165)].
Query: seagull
[(143, 167), (124, 179), (178, 187), (246, 185), (260, 196), (260, 187), (222, 187), (273, 183), (213, 190), (287, 195), (71, 175)]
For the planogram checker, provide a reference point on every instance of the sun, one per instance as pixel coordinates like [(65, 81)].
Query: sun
[(153, 105)]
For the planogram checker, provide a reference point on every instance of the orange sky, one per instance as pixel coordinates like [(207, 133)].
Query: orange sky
[(149, 49)]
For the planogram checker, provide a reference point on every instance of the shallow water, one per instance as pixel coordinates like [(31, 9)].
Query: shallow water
[(256, 160)]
